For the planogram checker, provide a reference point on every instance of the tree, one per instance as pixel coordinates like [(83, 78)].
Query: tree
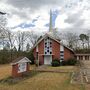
[(83, 38), (56, 34), (30, 56), (21, 37), (28, 47), (88, 34), (7, 46), (3, 22), (32, 37), (10, 40), (71, 39)]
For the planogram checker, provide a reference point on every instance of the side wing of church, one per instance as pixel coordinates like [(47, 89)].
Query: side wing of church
[(48, 48)]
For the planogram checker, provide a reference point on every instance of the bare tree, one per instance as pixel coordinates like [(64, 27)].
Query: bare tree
[(21, 37), (27, 47), (10, 40), (3, 22), (32, 37), (71, 40), (3, 39)]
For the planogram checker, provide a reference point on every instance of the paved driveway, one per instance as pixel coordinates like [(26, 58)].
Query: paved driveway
[(86, 70)]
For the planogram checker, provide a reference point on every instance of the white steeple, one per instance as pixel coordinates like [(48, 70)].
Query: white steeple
[(50, 22)]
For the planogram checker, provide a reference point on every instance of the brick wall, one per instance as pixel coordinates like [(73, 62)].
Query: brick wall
[(40, 52), (15, 70), (55, 49), (67, 54)]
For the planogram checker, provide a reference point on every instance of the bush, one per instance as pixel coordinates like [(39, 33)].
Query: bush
[(71, 61), (63, 63), (30, 56), (55, 63)]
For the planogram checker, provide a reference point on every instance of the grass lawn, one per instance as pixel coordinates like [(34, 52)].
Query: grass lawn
[(40, 81), (5, 71), (62, 68)]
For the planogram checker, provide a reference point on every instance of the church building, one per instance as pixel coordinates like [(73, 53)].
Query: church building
[(48, 48)]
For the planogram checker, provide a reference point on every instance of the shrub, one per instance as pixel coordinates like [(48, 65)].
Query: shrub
[(71, 61), (30, 56), (63, 63), (55, 63)]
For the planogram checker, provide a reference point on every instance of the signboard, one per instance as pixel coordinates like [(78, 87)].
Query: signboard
[(22, 67)]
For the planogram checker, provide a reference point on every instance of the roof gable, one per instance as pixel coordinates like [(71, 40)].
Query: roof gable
[(20, 60), (48, 35)]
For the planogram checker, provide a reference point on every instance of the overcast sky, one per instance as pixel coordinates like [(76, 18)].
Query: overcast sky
[(72, 15)]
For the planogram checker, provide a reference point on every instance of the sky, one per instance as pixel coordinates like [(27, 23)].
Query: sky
[(26, 15)]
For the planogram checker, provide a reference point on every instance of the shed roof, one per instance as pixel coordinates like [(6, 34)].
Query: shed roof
[(20, 60)]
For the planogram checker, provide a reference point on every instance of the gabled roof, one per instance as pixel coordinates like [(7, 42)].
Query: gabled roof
[(20, 60), (48, 35)]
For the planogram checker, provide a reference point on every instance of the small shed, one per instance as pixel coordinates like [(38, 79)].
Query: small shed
[(20, 66)]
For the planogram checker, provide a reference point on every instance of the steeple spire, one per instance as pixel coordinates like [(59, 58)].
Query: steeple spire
[(50, 23)]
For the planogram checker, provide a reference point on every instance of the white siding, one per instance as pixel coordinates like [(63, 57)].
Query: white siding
[(61, 48)]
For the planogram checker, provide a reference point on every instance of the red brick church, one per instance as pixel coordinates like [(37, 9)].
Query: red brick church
[(48, 48)]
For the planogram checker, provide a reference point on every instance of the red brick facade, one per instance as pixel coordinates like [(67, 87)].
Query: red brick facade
[(15, 70), (68, 54), (55, 51), (40, 52)]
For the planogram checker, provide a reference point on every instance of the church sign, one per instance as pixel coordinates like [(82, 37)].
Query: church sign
[(20, 66)]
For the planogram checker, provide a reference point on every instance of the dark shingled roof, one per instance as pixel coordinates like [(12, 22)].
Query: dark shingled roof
[(17, 59)]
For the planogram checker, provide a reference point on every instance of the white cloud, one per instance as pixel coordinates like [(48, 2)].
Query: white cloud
[(31, 9), (14, 21), (44, 18), (60, 23)]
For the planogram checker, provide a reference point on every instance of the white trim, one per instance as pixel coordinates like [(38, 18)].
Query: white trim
[(23, 60), (61, 48), (61, 54), (37, 48)]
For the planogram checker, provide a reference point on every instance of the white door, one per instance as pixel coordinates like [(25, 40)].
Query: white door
[(48, 59)]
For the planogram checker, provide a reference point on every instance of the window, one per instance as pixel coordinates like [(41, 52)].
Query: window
[(61, 51), (45, 52), (61, 55), (47, 46), (45, 43), (50, 43)]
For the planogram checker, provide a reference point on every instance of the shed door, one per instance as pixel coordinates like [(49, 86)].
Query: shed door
[(47, 59)]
